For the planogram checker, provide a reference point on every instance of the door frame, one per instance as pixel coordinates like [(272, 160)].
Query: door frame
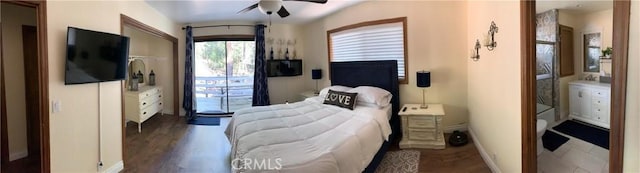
[(621, 15), (135, 24), (29, 68), (43, 88)]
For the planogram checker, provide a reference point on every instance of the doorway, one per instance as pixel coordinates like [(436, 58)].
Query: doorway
[(613, 116), (25, 124), (127, 22), (224, 70)]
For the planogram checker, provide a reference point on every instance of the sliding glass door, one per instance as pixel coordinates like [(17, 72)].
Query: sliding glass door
[(223, 75)]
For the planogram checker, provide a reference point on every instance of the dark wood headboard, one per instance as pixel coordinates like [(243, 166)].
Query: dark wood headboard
[(381, 74)]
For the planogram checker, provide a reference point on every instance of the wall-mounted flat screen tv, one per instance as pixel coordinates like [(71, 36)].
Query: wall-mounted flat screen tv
[(94, 56), (277, 68)]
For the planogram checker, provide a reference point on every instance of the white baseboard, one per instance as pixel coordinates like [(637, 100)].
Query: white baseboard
[(459, 127), (18, 155), (115, 168), (485, 156)]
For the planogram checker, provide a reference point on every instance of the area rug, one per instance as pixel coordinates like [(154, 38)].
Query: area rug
[(552, 141), (207, 121), (403, 161), (589, 133)]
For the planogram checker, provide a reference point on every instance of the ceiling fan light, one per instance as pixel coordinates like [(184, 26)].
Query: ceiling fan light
[(269, 6)]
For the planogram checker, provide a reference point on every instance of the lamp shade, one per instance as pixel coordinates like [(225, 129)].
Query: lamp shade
[(269, 6), (424, 78), (316, 74)]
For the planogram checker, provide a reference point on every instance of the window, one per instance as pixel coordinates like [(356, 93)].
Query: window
[(371, 41)]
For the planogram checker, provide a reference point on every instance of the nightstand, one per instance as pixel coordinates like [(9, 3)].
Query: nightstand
[(307, 94), (422, 128)]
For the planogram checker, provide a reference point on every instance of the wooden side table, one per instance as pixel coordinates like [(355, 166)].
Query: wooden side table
[(422, 128)]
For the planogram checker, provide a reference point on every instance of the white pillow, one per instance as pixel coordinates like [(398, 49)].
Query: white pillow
[(324, 91), (374, 95)]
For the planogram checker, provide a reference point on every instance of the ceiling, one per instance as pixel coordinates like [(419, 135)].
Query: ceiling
[(573, 6), (195, 11)]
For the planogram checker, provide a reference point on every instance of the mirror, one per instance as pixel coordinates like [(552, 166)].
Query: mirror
[(592, 51), (137, 65)]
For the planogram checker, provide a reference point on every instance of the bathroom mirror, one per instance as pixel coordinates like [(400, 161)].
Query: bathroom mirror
[(592, 49), (135, 66)]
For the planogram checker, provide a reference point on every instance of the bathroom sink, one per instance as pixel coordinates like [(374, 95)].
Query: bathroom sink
[(605, 79)]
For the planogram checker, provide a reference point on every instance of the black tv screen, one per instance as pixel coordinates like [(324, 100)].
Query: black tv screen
[(94, 56), (277, 68)]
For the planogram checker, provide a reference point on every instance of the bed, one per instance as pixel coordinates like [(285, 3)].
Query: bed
[(309, 136)]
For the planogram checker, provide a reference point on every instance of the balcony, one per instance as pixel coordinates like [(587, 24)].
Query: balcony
[(215, 96)]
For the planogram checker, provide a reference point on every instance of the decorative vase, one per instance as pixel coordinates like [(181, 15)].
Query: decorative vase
[(152, 78), (140, 77), (286, 54), (271, 53), (133, 82)]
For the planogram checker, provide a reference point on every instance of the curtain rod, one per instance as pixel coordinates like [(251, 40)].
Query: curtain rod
[(210, 26)]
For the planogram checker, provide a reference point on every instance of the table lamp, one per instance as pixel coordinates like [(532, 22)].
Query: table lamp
[(424, 81), (316, 74)]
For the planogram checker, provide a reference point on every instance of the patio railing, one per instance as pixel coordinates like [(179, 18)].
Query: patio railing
[(212, 92)]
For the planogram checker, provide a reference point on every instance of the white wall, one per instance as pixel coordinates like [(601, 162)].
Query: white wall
[(632, 127), (430, 47), (158, 53), (494, 83), (73, 130), (281, 89), (602, 22), (15, 17)]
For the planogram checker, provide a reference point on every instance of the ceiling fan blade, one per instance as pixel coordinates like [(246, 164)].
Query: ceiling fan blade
[(283, 12), (248, 8), (314, 1)]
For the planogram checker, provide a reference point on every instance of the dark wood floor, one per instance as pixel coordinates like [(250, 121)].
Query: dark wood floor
[(168, 144), (452, 159)]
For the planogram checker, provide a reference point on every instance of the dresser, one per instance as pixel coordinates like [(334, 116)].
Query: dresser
[(141, 105), (422, 128), (589, 101)]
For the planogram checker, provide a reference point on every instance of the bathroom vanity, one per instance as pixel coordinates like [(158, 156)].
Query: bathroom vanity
[(589, 101)]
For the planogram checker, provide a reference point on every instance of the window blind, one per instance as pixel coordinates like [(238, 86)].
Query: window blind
[(370, 43)]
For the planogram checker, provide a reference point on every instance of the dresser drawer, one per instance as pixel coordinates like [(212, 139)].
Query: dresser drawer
[(599, 93), (422, 122), (600, 101), (599, 111), (149, 111), (150, 99), (600, 108), (149, 93), (423, 134)]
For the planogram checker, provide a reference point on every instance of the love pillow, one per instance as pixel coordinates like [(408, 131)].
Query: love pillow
[(341, 99)]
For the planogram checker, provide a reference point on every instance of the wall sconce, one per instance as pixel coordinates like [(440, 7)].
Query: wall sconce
[(475, 55), (490, 42)]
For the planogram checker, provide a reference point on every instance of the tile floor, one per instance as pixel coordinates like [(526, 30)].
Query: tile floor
[(575, 156)]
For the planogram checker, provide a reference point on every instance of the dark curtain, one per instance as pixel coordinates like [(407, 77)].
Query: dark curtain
[(260, 89), (189, 103)]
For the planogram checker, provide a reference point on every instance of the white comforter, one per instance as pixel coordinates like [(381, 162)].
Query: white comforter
[(306, 136)]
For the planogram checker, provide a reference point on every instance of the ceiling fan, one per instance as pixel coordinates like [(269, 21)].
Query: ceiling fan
[(270, 6)]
